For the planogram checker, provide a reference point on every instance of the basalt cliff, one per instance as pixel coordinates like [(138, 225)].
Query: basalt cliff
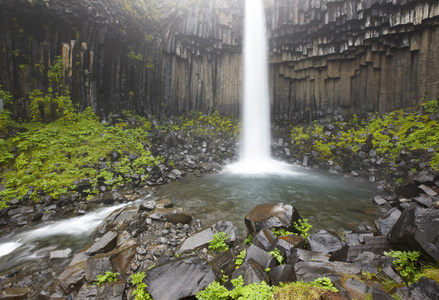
[(171, 57)]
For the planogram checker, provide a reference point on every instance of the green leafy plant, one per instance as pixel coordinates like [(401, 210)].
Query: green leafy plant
[(276, 253), (248, 240), (252, 291), (218, 243), (240, 259), (215, 291), (303, 227), (139, 292), (405, 264), (326, 283), (107, 277), (281, 232)]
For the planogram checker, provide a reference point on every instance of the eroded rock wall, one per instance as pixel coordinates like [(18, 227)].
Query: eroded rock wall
[(172, 57), (354, 56)]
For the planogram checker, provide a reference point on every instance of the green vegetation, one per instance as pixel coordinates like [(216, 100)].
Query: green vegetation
[(303, 227), (107, 277), (276, 253), (139, 292), (218, 243), (248, 240), (262, 291), (386, 133), (281, 232), (240, 259), (405, 264)]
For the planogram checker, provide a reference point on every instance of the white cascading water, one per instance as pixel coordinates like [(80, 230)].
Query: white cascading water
[(255, 157)]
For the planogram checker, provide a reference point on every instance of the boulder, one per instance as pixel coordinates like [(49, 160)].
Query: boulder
[(385, 224), (59, 254), (223, 264), (173, 215), (271, 215), (282, 273), (262, 257), (179, 279), (251, 271), (204, 236), (264, 239), (348, 253), (324, 242), (87, 292), (424, 201), (106, 243), (424, 288), (356, 288), (297, 255), (417, 230), (70, 280), (311, 270), (379, 200)]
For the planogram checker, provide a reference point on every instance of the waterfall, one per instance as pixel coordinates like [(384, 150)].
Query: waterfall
[(255, 156)]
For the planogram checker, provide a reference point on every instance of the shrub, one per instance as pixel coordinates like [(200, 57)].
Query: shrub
[(218, 243), (107, 277)]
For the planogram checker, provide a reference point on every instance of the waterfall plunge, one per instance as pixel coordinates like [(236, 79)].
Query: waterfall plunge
[(256, 140)]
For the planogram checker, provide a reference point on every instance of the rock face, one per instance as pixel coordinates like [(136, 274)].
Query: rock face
[(355, 56)]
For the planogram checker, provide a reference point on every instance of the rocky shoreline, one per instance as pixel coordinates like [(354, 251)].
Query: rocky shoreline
[(153, 233)]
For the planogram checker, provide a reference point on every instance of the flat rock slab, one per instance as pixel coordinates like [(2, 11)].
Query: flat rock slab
[(106, 243), (59, 254), (205, 235), (179, 279), (386, 222), (172, 215), (324, 242), (271, 215), (311, 270)]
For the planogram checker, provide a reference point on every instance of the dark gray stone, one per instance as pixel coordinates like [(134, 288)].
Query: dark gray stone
[(172, 215), (357, 286), (106, 243), (223, 264), (298, 255), (311, 270), (271, 215), (417, 230), (424, 288), (262, 257), (379, 200), (282, 273), (385, 223), (324, 242), (204, 236), (251, 272), (179, 279), (264, 239), (111, 291), (59, 254), (424, 201)]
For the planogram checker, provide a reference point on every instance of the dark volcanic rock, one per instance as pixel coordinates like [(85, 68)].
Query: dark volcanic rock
[(417, 230), (264, 239), (173, 215), (251, 272), (311, 270), (424, 288), (204, 236), (262, 257), (111, 291), (223, 264), (324, 242), (179, 279), (271, 215), (106, 243), (385, 224), (282, 273)]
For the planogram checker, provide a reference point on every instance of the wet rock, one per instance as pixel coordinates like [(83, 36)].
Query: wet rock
[(223, 264), (379, 200), (271, 215), (392, 274), (15, 293), (204, 236), (282, 273), (25, 210), (376, 245), (96, 265), (59, 254), (173, 215), (298, 255), (106, 243), (262, 257), (424, 178), (251, 271), (70, 280), (164, 203), (111, 291), (264, 239), (118, 219), (417, 229), (424, 201), (87, 292), (324, 242), (108, 198), (148, 205), (356, 288), (179, 279), (385, 224), (311, 270), (424, 288)]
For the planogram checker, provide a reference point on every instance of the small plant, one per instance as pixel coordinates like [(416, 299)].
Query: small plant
[(248, 240), (218, 243), (240, 259), (276, 253), (405, 264), (281, 232), (303, 227), (215, 291), (326, 283), (140, 292), (107, 277)]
